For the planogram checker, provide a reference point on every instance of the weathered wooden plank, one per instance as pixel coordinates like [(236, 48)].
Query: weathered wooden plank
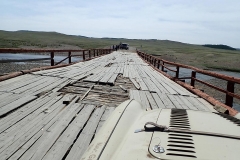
[(135, 83), (106, 77), (187, 103), (86, 93), (144, 100), (163, 82), (181, 103), (151, 100), (86, 136), (125, 71), (206, 104), (16, 81), (16, 104), (49, 133), (32, 85), (174, 101), (32, 108), (197, 104), (8, 99), (108, 111), (166, 101), (23, 132), (94, 78), (158, 100), (113, 78), (135, 94), (61, 85), (64, 142), (158, 84), (46, 86)]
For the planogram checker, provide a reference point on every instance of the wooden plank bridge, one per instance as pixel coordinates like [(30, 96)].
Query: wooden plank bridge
[(54, 114)]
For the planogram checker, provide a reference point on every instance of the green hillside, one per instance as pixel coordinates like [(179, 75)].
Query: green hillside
[(195, 55)]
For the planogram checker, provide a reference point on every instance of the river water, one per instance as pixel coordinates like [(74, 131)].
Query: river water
[(33, 56)]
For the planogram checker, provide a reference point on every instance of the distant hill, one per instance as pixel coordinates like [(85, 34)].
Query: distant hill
[(25, 38), (219, 46)]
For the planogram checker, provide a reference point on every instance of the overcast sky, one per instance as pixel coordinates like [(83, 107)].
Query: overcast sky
[(189, 21)]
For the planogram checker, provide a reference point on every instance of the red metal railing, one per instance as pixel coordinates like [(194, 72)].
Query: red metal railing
[(162, 64), (86, 54)]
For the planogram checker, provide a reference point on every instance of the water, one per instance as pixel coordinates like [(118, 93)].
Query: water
[(236, 106), (33, 56)]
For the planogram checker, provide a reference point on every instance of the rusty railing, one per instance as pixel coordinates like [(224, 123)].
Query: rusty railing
[(86, 54), (163, 65)]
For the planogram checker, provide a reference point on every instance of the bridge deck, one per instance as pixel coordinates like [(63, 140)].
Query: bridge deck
[(54, 114)]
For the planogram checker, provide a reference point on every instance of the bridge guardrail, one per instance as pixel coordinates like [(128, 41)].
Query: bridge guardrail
[(86, 54), (161, 64)]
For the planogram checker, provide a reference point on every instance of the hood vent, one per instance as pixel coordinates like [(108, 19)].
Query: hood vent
[(180, 144), (179, 119), (230, 118)]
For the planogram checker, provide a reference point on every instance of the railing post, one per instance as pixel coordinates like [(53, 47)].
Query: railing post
[(230, 88), (83, 55), (89, 54), (193, 78), (69, 57), (162, 66), (155, 62), (94, 53), (177, 73), (52, 58), (158, 64), (98, 52)]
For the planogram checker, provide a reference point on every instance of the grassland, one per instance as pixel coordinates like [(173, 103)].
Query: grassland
[(194, 55)]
